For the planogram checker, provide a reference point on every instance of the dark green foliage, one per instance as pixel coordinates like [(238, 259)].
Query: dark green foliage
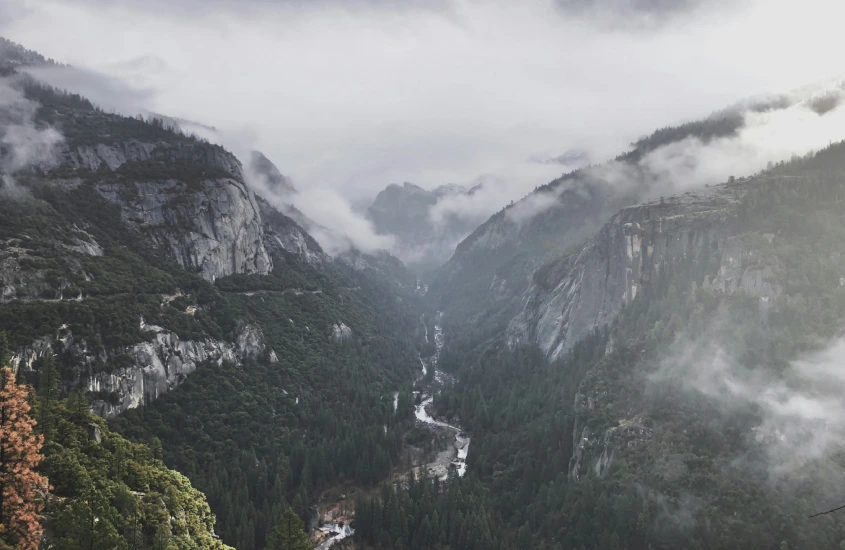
[(113, 493), (287, 534), (689, 473), (265, 434), (5, 351), (433, 515)]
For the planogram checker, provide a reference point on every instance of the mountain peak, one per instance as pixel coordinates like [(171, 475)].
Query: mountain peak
[(264, 168)]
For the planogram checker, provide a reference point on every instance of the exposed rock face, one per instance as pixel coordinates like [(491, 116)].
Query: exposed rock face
[(492, 268), (146, 370), (594, 455), (215, 228), (91, 157), (340, 332), (95, 434), (283, 233), (250, 341), (276, 182), (115, 155), (25, 282), (586, 289)]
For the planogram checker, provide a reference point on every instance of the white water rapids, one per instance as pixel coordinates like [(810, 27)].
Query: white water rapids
[(340, 533)]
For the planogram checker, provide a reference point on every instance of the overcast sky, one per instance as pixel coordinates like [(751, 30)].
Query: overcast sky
[(359, 94)]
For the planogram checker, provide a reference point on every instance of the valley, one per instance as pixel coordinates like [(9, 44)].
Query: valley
[(644, 353)]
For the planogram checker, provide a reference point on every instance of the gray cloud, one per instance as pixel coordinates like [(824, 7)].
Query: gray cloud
[(193, 8), (353, 97), (108, 92), (22, 143), (802, 122), (11, 12), (638, 12), (326, 215), (800, 412)]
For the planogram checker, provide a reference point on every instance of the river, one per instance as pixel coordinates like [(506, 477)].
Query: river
[(453, 457), (340, 532), (456, 455)]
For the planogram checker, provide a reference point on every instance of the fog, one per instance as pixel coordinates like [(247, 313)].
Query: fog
[(809, 120), (21, 143), (800, 412), (353, 96)]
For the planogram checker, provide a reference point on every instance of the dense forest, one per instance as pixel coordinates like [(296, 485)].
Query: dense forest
[(267, 433), (686, 470)]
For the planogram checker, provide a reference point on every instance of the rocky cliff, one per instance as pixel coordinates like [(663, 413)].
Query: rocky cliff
[(214, 228), (283, 233), (188, 198), (132, 376), (586, 289)]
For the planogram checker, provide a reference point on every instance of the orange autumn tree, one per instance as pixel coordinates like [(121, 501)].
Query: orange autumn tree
[(20, 454)]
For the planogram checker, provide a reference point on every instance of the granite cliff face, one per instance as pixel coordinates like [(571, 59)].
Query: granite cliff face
[(283, 233), (115, 154), (201, 213), (586, 289), (214, 228), (110, 187), (136, 375), (482, 284)]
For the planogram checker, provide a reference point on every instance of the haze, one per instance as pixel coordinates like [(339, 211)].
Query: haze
[(357, 95)]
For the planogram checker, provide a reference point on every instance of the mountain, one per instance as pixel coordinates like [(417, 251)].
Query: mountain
[(482, 285), (665, 383), (637, 368), (143, 279), (407, 212), (276, 182)]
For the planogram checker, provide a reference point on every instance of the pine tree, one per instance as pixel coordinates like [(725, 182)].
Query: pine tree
[(5, 351), (20, 454), (288, 534), (48, 393)]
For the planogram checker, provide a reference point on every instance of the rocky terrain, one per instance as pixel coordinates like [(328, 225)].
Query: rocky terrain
[(573, 296)]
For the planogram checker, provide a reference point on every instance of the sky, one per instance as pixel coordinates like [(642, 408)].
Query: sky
[(356, 95)]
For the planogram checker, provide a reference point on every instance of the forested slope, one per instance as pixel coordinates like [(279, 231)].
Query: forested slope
[(141, 276), (702, 416)]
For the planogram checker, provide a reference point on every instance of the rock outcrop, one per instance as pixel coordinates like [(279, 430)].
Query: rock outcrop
[(214, 228), (116, 154), (283, 233), (586, 289), (340, 332), (127, 378)]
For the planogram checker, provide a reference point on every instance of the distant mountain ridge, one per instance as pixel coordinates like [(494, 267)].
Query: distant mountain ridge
[(406, 212)]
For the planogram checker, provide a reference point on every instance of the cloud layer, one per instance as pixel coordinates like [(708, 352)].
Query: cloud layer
[(801, 412), (22, 144), (353, 96), (357, 96)]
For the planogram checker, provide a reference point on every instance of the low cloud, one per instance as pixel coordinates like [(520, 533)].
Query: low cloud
[(801, 411), (355, 95), (335, 225), (108, 92), (22, 143), (492, 192), (805, 121), (324, 213), (640, 13)]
